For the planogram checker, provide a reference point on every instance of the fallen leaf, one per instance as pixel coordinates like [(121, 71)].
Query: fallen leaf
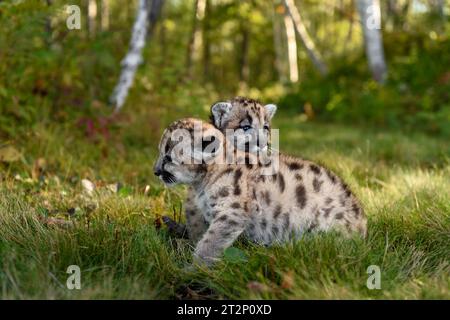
[(88, 186), (309, 110), (38, 168), (280, 9), (9, 154), (288, 280), (258, 287)]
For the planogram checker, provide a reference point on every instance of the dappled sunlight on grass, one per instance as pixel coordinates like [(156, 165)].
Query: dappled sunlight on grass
[(76, 179), (114, 232), (409, 183)]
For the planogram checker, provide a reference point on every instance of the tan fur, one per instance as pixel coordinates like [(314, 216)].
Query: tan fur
[(226, 201), (240, 113)]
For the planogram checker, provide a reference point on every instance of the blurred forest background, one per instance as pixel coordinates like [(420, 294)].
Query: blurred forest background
[(71, 154), (201, 51)]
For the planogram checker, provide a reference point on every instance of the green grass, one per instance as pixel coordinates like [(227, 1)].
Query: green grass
[(402, 180), (50, 82)]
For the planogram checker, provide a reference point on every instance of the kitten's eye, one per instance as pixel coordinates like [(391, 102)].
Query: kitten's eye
[(266, 127), (167, 159), (246, 128)]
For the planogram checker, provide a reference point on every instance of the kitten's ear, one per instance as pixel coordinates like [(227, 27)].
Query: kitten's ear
[(219, 112), (270, 109)]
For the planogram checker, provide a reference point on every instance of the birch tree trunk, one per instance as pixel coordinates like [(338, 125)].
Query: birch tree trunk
[(369, 11), (304, 37), (206, 42), (92, 17), (278, 43), (146, 17), (292, 48)]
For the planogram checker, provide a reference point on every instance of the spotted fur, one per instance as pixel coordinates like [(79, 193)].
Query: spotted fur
[(247, 117), (226, 201)]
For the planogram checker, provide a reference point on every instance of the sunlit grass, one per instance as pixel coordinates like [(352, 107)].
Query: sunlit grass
[(402, 181)]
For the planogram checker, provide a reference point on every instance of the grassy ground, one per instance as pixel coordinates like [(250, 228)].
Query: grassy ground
[(115, 237)]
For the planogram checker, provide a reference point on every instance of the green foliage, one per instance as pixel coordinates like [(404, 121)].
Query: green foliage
[(49, 73), (56, 129), (234, 255), (416, 96), (401, 180)]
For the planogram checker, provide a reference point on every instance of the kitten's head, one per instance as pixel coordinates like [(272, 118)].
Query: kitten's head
[(185, 149), (250, 120)]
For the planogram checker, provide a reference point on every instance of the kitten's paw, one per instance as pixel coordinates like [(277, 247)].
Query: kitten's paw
[(178, 230)]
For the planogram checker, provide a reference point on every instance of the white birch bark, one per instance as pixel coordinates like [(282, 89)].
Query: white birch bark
[(292, 48), (369, 11), (304, 37), (198, 38), (134, 56), (279, 45), (92, 16)]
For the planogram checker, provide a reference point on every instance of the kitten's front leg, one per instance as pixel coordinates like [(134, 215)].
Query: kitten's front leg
[(195, 222), (222, 232)]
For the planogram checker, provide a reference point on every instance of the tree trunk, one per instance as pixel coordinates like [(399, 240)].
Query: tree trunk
[(292, 48), (305, 38), (154, 14), (92, 17), (146, 17), (206, 43), (105, 15), (243, 57), (438, 6), (405, 10), (348, 38), (369, 11), (392, 12), (195, 40), (278, 43), (48, 25)]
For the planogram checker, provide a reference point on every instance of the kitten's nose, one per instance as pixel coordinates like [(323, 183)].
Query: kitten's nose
[(157, 172)]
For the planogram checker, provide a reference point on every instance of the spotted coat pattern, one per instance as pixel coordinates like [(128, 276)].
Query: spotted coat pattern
[(301, 197)]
